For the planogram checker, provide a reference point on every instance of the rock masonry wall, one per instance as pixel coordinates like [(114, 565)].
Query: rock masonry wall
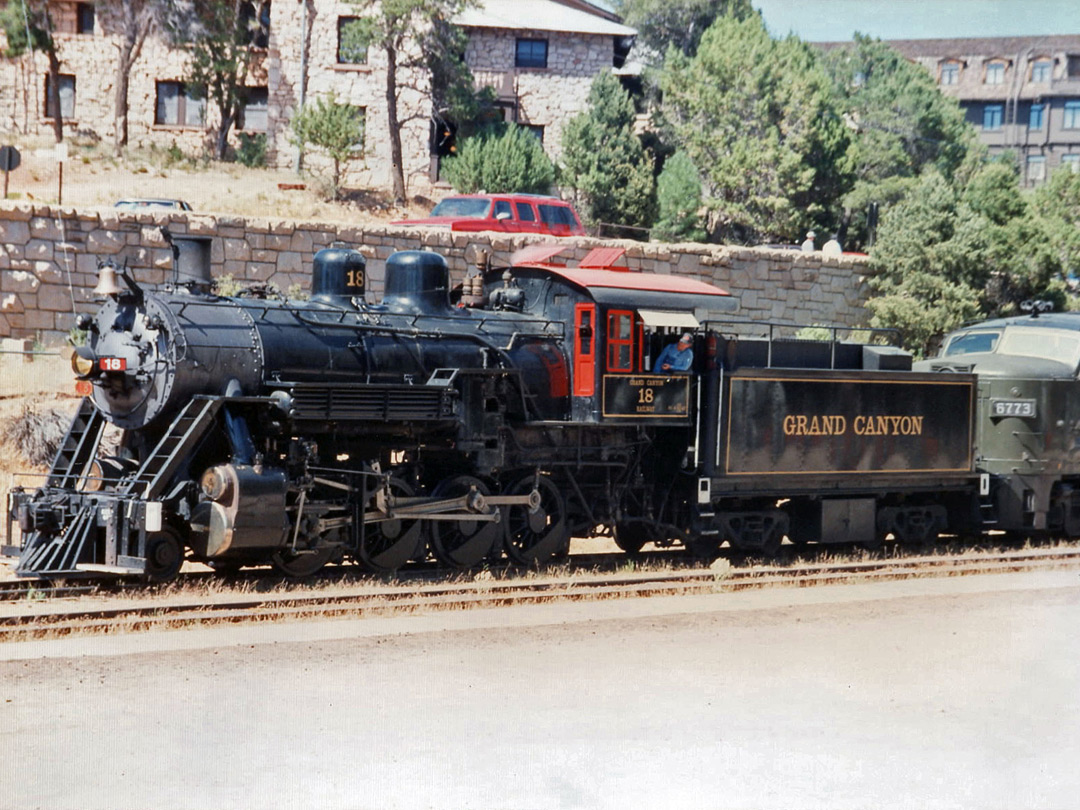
[(49, 255)]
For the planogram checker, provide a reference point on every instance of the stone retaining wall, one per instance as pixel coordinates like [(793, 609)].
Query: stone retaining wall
[(48, 262)]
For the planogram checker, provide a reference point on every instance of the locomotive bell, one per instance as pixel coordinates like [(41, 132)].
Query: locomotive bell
[(107, 284)]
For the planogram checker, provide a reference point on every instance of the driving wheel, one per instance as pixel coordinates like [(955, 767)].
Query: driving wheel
[(534, 535), (461, 543), (389, 544), (302, 563)]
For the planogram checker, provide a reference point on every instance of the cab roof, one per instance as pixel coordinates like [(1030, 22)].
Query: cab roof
[(1048, 320), (622, 286)]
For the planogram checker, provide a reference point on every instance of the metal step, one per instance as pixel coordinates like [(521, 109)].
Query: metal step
[(58, 553), (181, 437), (79, 447)]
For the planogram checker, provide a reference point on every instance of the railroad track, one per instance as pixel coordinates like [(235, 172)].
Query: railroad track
[(29, 619)]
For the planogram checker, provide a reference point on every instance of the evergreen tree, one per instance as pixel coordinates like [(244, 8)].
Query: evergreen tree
[(505, 159), (28, 26), (947, 255), (901, 124), (678, 192), (333, 127), (676, 23), (604, 161), (757, 117)]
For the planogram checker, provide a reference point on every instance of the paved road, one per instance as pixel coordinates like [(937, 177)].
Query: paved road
[(925, 694)]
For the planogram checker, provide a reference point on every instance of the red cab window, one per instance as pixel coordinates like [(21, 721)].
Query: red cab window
[(620, 341)]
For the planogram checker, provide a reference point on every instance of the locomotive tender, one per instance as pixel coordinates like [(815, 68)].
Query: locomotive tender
[(502, 416)]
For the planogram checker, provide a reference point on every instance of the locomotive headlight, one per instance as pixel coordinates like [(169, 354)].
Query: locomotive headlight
[(82, 362)]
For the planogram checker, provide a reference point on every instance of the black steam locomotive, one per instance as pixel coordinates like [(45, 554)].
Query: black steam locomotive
[(500, 416)]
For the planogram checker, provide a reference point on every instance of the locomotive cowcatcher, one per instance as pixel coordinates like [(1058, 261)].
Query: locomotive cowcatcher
[(497, 417)]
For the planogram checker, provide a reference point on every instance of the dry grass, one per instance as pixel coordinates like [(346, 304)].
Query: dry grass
[(93, 177), (37, 433)]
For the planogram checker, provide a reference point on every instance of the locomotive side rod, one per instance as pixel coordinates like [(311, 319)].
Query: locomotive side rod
[(476, 503)]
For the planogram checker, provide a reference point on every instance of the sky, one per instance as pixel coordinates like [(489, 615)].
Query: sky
[(838, 20)]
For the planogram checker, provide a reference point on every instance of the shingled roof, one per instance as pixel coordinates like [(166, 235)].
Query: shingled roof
[(986, 46)]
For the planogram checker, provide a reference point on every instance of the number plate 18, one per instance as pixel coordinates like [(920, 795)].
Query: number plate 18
[(112, 363), (1012, 407)]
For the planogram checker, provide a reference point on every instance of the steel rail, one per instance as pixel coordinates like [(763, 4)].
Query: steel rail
[(44, 619)]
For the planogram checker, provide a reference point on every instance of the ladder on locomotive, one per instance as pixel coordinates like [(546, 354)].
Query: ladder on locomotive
[(46, 553), (79, 447), (63, 552), (163, 462)]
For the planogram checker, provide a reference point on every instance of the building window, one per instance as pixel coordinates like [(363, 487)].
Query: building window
[(84, 18), (992, 116), (1036, 169), (1035, 119), (1072, 115), (1071, 162), (67, 97), (253, 115), (531, 53), (255, 23), (995, 73), (351, 49), (179, 105), (950, 73), (1041, 70), (536, 130)]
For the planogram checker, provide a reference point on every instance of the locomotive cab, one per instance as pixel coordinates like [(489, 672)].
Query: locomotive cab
[(614, 325), (1028, 427)]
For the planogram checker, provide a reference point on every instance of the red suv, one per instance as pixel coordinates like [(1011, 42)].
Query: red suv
[(508, 213)]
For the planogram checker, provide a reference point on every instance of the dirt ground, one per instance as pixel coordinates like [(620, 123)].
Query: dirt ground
[(950, 693), (92, 177)]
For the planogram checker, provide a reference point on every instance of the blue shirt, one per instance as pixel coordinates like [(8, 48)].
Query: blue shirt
[(678, 360)]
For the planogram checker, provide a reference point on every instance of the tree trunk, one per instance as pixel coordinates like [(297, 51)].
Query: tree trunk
[(396, 167), (120, 116), (137, 24), (222, 140)]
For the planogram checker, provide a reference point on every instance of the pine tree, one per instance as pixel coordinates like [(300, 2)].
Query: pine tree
[(678, 192), (604, 161), (757, 117), (335, 128)]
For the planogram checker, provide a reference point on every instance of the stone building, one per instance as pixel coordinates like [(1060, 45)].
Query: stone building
[(1022, 94), (540, 56)]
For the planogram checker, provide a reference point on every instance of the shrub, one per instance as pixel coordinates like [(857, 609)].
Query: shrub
[(500, 160), (252, 151), (37, 434)]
